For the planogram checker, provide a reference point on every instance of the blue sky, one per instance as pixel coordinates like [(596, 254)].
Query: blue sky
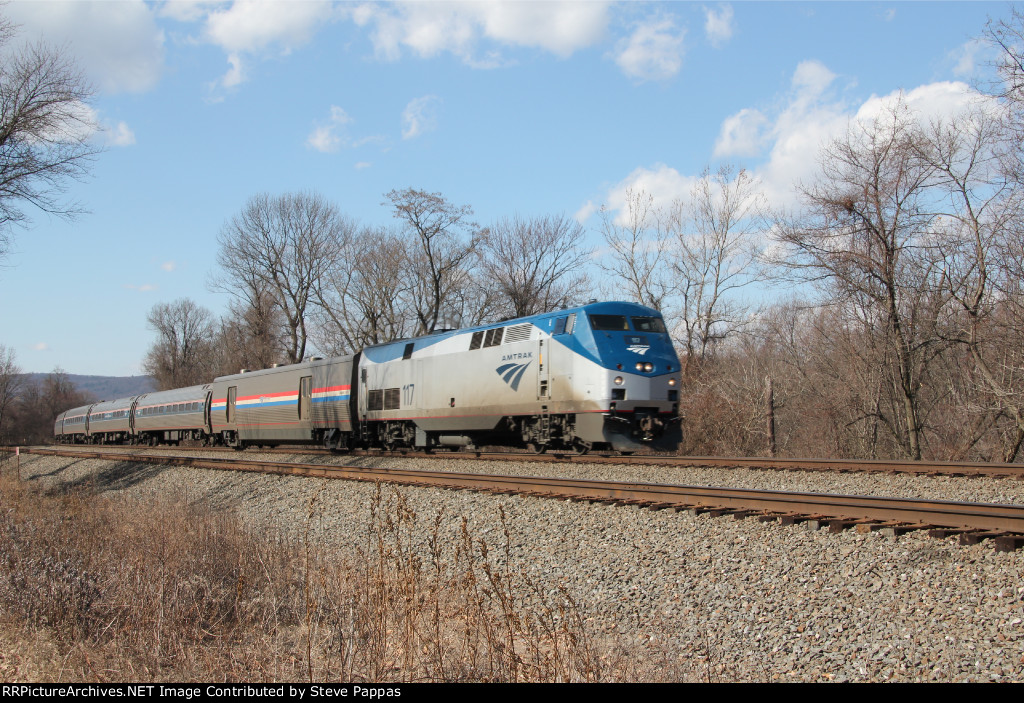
[(509, 107)]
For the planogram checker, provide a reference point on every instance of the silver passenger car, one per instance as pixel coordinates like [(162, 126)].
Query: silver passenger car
[(172, 416), (74, 425), (308, 402), (110, 421)]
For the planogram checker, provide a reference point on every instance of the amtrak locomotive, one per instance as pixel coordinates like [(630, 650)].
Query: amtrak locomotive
[(603, 375)]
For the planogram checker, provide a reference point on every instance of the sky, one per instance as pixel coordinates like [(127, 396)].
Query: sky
[(528, 108)]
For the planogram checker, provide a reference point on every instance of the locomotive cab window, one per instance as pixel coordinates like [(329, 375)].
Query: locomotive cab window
[(477, 340), (565, 325), (648, 324), (408, 350), (609, 323)]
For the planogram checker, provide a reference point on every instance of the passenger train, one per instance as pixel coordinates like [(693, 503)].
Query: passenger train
[(602, 375)]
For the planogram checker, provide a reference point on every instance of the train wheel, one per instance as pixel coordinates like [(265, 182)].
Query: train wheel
[(579, 447), (537, 448)]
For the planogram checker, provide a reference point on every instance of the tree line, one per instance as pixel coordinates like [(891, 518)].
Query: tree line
[(28, 409), (301, 275)]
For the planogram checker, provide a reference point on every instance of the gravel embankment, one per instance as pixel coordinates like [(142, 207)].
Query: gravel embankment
[(706, 598)]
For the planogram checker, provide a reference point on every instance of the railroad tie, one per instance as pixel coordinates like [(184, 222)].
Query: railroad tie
[(837, 525), (891, 528), (976, 537), (1009, 543), (943, 532)]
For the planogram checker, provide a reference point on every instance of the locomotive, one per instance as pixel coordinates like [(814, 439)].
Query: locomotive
[(603, 375)]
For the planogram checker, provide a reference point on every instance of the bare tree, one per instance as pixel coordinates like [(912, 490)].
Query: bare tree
[(250, 335), (44, 131), (183, 353), (282, 245), (10, 385), (536, 264), (866, 233), (1008, 37), (638, 254), (446, 240), (365, 299), (981, 207), (716, 255)]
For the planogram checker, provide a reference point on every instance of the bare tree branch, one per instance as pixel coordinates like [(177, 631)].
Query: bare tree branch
[(45, 131), (283, 246), (536, 264)]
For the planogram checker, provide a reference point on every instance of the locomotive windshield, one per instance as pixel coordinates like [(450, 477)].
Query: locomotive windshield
[(617, 323), (648, 324), (609, 323)]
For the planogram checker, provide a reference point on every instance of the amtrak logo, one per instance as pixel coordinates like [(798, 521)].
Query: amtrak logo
[(512, 373), (638, 349)]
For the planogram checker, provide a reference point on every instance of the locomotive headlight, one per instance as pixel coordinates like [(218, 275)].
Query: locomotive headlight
[(618, 380), (639, 366), (648, 367), (671, 381)]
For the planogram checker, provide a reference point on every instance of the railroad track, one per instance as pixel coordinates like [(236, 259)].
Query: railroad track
[(972, 522), (919, 468)]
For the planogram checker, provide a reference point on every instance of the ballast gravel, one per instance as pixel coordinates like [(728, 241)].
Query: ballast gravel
[(702, 598)]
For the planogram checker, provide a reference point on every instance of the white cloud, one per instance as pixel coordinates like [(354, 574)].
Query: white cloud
[(420, 116), (360, 165), (235, 75), (328, 137), (654, 51), (188, 10), (968, 58), (811, 79), (804, 125), (585, 212), (117, 45), (718, 26), (144, 288), (78, 121), (742, 134), (428, 29), (789, 137), (561, 28), (662, 183), (169, 266), (119, 135), (252, 26), (929, 102), (41, 346)]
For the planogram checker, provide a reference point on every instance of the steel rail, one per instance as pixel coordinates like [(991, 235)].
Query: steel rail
[(930, 468), (992, 517)]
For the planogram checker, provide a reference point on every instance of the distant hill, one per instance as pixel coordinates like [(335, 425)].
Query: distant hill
[(104, 387)]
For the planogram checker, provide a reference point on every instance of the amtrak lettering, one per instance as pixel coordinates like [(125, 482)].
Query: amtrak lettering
[(516, 357)]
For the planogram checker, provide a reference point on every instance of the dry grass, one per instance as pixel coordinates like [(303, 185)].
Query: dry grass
[(168, 591)]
